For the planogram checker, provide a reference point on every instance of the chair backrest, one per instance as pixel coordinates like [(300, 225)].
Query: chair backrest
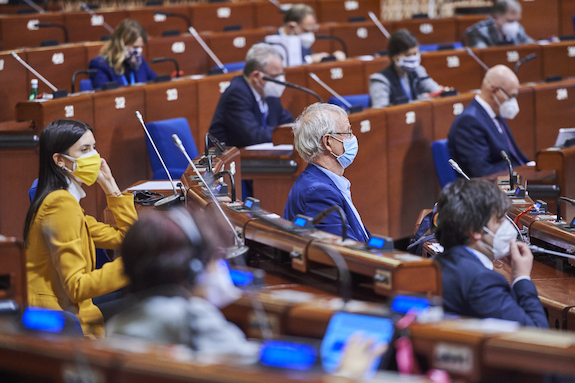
[(32, 190), (362, 100), (86, 84), (441, 157), (161, 132)]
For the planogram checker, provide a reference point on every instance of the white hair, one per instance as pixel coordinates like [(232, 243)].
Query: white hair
[(316, 121), (259, 56)]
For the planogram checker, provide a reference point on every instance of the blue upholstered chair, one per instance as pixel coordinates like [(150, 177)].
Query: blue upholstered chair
[(441, 157), (161, 132), (362, 100)]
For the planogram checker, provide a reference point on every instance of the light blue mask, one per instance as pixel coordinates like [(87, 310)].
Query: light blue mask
[(351, 148)]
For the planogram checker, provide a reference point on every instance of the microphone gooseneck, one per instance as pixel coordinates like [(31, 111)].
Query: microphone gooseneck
[(506, 158), (166, 59), (293, 86), (335, 38), (174, 14), (323, 214), (344, 275), (569, 200), (329, 89), (470, 53), (524, 60), (27, 66), (538, 249), (379, 25), (104, 24), (206, 48), (458, 169)]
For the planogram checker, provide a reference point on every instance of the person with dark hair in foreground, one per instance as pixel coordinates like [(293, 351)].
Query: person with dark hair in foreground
[(60, 239), (473, 228), (404, 79), (502, 28), (178, 279)]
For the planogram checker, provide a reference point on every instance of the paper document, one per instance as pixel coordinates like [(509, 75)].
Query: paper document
[(269, 146), (154, 185)]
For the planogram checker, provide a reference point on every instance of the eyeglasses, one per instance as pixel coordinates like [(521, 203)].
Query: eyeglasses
[(348, 134), (509, 96)]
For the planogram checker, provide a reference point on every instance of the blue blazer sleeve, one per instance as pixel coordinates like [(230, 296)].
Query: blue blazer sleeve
[(144, 73), (104, 73)]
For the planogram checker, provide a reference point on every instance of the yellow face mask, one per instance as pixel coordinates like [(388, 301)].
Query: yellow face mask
[(86, 167)]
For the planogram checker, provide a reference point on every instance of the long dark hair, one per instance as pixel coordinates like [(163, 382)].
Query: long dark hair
[(57, 137)]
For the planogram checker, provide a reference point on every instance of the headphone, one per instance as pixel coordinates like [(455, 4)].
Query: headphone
[(146, 197), (186, 223)]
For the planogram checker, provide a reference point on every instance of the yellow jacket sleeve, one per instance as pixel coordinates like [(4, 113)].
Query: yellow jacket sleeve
[(106, 236)]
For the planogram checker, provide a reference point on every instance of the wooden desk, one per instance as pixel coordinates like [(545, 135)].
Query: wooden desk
[(430, 31), (536, 10), (156, 25), (559, 58), (217, 16), (191, 58), (83, 27), (566, 12), (268, 15), (13, 271), (509, 56), (14, 85), (335, 10), (361, 38), (346, 77), (18, 31), (445, 110), (444, 67), (563, 162), (233, 46)]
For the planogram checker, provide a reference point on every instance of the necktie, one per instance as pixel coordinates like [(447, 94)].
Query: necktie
[(510, 147), (265, 112)]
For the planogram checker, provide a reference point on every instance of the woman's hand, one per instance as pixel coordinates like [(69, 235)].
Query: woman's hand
[(106, 179)]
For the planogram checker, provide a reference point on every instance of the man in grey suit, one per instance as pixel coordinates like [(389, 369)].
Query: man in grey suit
[(502, 28)]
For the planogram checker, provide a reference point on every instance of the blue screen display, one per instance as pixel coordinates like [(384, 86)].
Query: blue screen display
[(403, 304), (290, 355), (249, 203), (342, 326), (299, 221), (241, 278), (35, 318), (376, 242)]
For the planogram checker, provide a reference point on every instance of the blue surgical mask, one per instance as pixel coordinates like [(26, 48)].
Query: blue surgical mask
[(351, 148)]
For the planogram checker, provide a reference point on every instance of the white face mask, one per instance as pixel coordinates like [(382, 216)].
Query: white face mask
[(502, 239), (307, 39), (510, 30), (219, 289), (508, 109), (409, 63), (271, 89)]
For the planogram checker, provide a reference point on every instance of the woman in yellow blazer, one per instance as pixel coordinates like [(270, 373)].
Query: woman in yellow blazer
[(61, 239)]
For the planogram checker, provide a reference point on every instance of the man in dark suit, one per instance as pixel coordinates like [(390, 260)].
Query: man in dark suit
[(250, 107), (323, 137), (480, 133), (473, 228), (502, 28)]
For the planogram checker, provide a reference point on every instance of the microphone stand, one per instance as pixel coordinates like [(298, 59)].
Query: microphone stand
[(351, 108), (323, 214), (524, 60), (293, 86), (506, 158), (458, 169)]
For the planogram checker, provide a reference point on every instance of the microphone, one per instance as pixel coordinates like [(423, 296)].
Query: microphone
[(173, 14), (217, 143), (104, 24), (379, 25), (176, 195), (456, 167), (571, 201), (168, 59), (538, 249), (55, 25), (56, 93), (293, 86), (239, 249), (525, 59), (330, 37), (506, 158), (207, 49), (232, 181), (36, 7), (352, 109), (470, 53), (323, 214), (87, 71)]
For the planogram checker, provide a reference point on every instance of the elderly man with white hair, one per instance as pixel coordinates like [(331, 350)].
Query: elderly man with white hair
[(323, 137), (250, 108)]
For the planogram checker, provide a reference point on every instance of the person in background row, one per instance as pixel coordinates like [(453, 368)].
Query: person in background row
[(502, 28), (323, 137), (250, 108), (300, 20), (60, 239), (404, 80), (479, 134), (121, 59), (177, 279), (473, 228)]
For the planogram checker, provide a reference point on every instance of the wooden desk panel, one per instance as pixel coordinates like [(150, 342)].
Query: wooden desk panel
[(83, 27), (14, 85), (445, 68), (369, 172), (523, 125), (341, 11), (155, 25), (292, 99), (216, 16), (17, 30), (185, 49), (93, 50), (176, 98), (268, 15), (41, 113), (563, 162), (57, 65), (411, 173), (558, 59), (210, 89), (509, 56), (13, 271), (554, 109), (430, 31), (233, 46), (361, 38), (566, 12), (120, 137), (444, 112), (345, 78), (534, 11)]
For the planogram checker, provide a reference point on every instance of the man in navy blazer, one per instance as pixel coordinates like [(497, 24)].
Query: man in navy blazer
[(479, 134), (323, 137), (473, 228), (250, 108)]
